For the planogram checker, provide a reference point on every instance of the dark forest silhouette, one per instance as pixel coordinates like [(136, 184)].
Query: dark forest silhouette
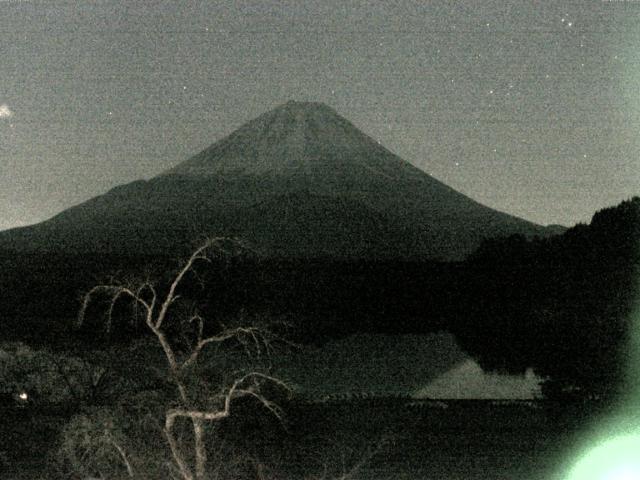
[(562, 305)]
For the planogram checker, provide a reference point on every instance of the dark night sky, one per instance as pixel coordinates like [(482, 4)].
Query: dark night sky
[(532, 108)]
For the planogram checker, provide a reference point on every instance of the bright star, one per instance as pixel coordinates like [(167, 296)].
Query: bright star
[(5, 111)]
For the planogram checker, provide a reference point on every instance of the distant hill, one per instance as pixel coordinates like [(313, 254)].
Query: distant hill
[(298, 181)]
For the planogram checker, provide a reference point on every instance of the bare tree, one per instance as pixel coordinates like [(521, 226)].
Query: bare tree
[(155, 305)]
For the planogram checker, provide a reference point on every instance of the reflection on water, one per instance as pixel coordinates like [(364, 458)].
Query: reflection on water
[(467, 380)]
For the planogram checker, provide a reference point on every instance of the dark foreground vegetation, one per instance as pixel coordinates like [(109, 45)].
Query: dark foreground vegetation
[(129, 389), (376, 439)]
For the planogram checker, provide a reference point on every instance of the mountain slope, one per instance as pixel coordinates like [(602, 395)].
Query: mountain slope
[(299, 180)]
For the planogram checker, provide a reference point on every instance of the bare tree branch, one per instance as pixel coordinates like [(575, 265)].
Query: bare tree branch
[(156, 310), (171, 296), (178, 458), (221, 337), (114, 292), (121, 452)]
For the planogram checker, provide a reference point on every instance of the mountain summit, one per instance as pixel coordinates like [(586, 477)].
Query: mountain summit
[(297, 181), (295, 139)]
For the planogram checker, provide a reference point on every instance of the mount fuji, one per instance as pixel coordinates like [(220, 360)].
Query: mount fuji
[(299, 181)]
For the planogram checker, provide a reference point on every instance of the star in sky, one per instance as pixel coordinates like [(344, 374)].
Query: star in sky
[(5, 111)]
